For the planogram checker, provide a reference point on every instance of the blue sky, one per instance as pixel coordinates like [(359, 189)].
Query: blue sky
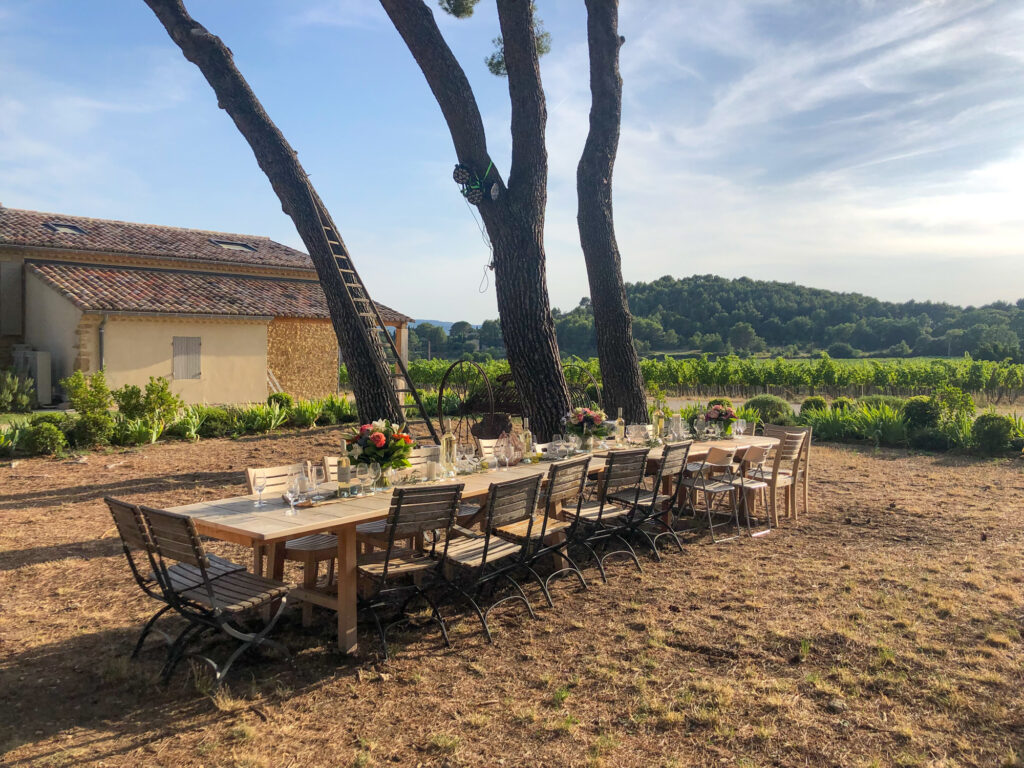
[(862, 146)]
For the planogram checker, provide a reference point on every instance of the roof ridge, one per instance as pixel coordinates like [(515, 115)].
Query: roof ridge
[(139, 224)]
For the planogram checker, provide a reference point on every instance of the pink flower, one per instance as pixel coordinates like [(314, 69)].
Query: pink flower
[(597, 419), (364, 429), (378, 439)]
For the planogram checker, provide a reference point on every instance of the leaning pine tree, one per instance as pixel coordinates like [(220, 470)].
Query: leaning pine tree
[(368, 371), (620, 366), (513, 213)]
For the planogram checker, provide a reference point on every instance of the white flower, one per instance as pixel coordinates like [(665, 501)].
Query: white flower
[(379, 425), (355, 451)]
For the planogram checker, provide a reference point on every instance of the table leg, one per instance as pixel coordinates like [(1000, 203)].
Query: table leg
[(666, 489), (275, 560), (347, 584), (257, 559)]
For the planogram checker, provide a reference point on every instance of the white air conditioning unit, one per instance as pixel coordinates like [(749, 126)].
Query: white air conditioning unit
[(35, 364)]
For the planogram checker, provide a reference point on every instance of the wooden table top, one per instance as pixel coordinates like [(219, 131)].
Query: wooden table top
[(239, 519)]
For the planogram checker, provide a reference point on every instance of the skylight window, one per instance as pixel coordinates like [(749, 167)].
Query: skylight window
[(231, 245), (64, 229)]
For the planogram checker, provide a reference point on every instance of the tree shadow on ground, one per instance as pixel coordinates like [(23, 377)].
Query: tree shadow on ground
[(93, 492)]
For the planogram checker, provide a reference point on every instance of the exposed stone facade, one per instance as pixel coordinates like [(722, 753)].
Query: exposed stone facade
[(303, 356)]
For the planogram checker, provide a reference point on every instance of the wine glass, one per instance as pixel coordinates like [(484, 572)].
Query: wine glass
[(259, 484), (504, 455), (739, 427), (362, 473), (374, 476), (292, 493), (574, 444)]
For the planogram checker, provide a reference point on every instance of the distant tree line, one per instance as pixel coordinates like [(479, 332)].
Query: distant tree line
[(715, 315)]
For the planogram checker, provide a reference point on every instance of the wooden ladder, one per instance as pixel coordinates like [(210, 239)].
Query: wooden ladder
[(374, 328)]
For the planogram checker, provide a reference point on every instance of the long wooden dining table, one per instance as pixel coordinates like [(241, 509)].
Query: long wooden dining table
[(266, 528)]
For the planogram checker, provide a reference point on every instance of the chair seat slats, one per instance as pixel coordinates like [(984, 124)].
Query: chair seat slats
[(236, 592), (469, 552), (313, 542)]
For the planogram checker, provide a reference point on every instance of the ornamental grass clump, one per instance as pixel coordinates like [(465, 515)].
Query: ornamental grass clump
[(305, 412)]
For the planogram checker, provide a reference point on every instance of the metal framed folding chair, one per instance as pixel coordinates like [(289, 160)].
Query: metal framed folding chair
[(546, 534), (600, 521), (407, 558), (705, 479), (213, 605), (485, 558), (137, 544), (650, 518)]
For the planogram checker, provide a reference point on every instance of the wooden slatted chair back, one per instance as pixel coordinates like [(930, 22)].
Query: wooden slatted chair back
[(673, 459), (277, 477), (330, 464), (175, 538), (418, 510), (512, 501), (625, 469), (485, 447), (789, 452), (566, 481), (130, 525)]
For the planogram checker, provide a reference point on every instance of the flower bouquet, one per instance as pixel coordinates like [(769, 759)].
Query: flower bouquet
[(587, 423), (381, 442), (723, 416)]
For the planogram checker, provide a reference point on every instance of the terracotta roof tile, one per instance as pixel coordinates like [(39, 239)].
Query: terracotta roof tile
[(18, 227), (129, 289)]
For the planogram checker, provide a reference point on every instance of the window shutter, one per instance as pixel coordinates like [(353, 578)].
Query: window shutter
[(186, 357)]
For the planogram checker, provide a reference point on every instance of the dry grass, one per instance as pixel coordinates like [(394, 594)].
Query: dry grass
[(884, 630)]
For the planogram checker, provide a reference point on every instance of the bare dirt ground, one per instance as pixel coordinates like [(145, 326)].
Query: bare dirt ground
[(883, 629)]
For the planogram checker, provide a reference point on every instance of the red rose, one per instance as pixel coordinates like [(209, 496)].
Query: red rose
[(378, 439), (364, 429)]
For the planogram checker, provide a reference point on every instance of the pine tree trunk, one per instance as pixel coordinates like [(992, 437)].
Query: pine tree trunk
[(515, 221), (368, 371), (620, 366)]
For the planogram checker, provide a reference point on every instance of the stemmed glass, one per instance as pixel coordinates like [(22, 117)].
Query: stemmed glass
[(259, 484), (374, 476), (575, 444), (292, 493), (739, 426), (504, 455)]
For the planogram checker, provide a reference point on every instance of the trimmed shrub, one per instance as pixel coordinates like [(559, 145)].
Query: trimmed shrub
[(991, 433), (218, 422), (46, 439), (91, 429), (159, 403), (59, 419), (773, 409), (929, 439), (841, 350), (129, 401), (813, 403), (724, 401), (921, 412), (873, 401), (283, 399), (842, 404)]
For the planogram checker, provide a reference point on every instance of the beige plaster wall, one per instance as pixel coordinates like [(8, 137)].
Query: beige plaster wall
[(303, 354), (51, 324), (233, 360)]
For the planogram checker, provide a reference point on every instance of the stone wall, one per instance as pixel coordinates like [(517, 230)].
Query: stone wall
[(303, 356)]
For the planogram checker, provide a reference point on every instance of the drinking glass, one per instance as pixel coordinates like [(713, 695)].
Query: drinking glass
[(575, 443), (292, 494), (374, 476), (316, 477), (504, 454), (259, 484), (362, 473), (739, 426)]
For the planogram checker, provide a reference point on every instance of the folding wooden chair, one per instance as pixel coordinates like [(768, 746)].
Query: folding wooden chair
[(601, 520), (214, 605), (136, 542), (407, 558), (652, 511), (485, 558), (549, 538)]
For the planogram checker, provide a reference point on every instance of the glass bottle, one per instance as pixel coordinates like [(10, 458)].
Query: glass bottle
[(658, 420), (344, 477), (448, 449), (527, 442), (620, 428)]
